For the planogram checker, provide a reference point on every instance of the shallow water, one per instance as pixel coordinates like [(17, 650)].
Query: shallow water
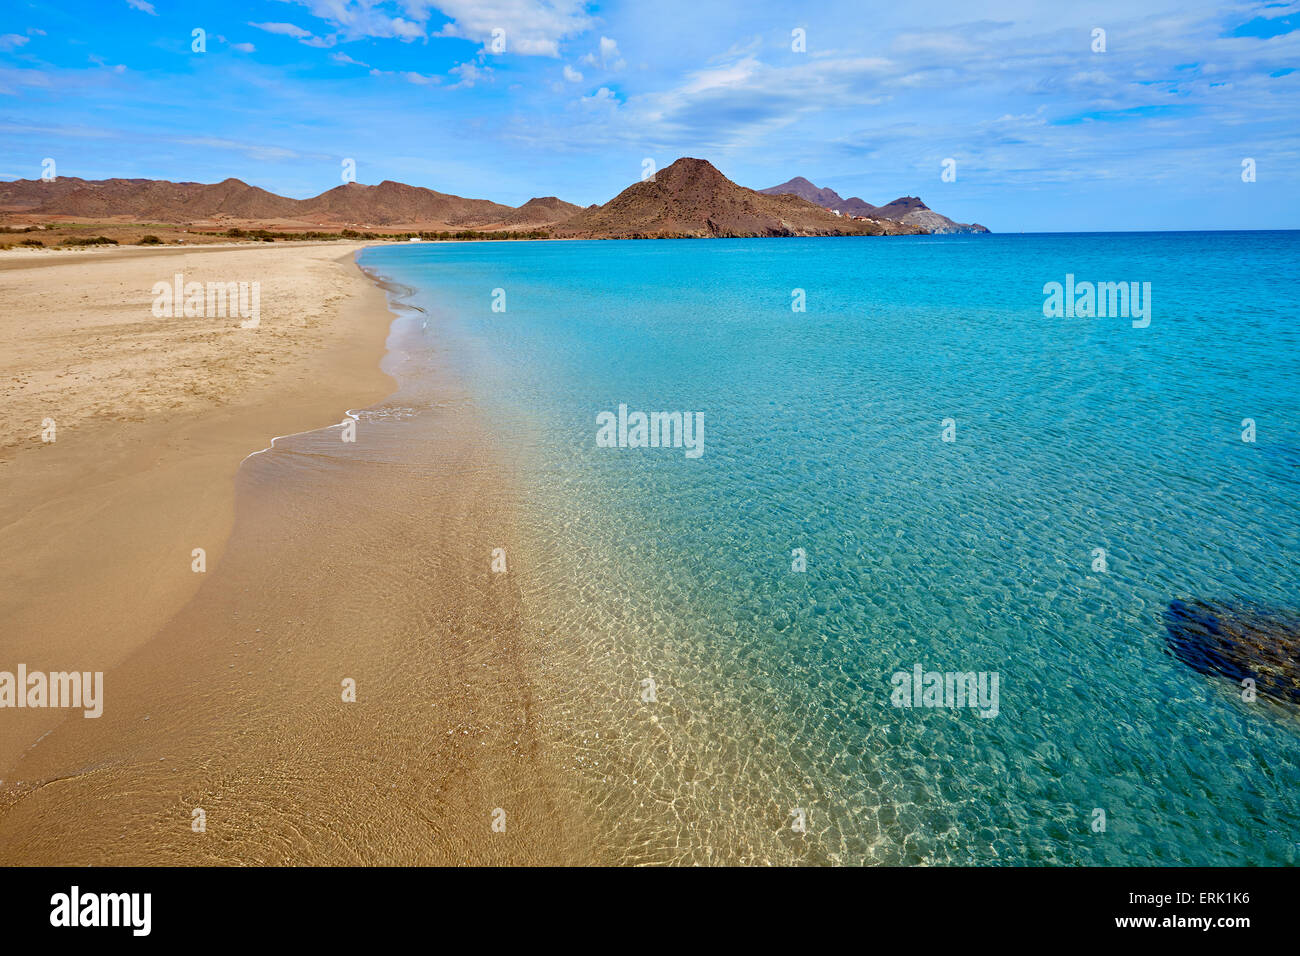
[(349, 685), (823, 433)]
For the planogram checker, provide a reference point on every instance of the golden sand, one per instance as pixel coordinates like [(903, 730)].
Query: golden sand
[(223, 689), (152, 419)]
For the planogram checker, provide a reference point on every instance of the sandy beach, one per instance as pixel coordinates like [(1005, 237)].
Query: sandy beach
[(154, 417)]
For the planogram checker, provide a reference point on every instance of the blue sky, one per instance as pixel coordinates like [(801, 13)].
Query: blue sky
[(1047, 134)]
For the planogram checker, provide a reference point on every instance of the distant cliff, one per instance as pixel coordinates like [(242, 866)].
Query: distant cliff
[(906, 209)]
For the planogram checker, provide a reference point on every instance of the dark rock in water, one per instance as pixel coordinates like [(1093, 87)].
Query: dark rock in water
[(1237, 641)]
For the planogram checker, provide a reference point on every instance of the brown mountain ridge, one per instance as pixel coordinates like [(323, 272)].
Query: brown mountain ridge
[(690, 198), (905, 209), (386, 204)]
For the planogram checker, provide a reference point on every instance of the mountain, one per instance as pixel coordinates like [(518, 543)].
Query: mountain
[(906, 209), (392, 203), (691, 198), (540, 211), (826, 198), (22, 195), (902, 206), (688, 198), (857, 207), (151, 200), (911, 209), (144, 199)]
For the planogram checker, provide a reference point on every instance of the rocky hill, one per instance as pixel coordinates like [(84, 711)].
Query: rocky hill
[(906, 209), (691, 198)]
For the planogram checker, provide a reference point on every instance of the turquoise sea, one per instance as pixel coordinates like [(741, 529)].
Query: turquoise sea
[(824, 431)]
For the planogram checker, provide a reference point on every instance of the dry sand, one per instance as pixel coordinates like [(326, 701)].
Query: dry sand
[(153, 417), (325, 561)]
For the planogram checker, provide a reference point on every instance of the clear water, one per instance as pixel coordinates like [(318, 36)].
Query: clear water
[(823, 432)]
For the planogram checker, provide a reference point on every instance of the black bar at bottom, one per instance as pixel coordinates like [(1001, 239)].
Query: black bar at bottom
[(959, 906)]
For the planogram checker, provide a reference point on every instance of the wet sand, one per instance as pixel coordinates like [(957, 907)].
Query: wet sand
[(153, 417), (224, 690)]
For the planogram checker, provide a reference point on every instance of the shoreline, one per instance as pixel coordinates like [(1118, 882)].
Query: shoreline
[(99, 525), (366, 561)]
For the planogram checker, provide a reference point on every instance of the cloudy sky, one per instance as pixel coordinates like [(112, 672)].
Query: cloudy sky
[(1048, 133)]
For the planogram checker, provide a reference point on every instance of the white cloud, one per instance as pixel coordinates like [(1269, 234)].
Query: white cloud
[(469, 73), (11, 41), (283, 29), (243, 47), (410, 76), (607, 56), (1274, 10), (344, 58), (572, 75), (532, 27), (98, 60), (142, 6), (355, 19), (251, 150), (23, 78), (603, 97), (305, 37)]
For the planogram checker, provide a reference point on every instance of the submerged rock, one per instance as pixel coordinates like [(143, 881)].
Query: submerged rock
[(1238, 641)]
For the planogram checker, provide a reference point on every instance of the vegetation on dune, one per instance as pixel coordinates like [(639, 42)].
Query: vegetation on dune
[(265, 235), (57, 235)]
